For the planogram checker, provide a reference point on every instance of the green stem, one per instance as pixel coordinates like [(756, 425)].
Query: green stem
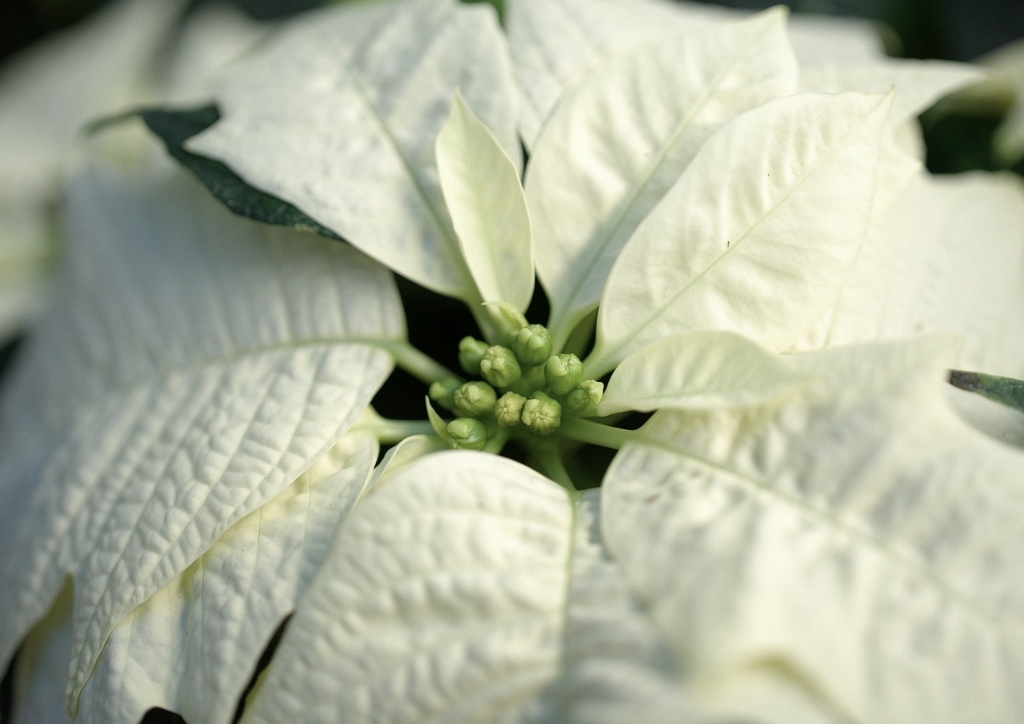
[(547, 459), (488, 329), (497, 443), (421, 366), (392, 431), (594, 433)]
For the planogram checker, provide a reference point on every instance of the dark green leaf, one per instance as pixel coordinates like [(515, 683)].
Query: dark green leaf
[(1005, 390), (174, 127)]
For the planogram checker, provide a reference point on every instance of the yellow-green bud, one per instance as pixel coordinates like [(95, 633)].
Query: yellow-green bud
[(508, 410), (542, 414), (563, 372), (586, 397), (441, 392), (467, 434), (474, 399), (471, 351), (532, 344), (500, 367)]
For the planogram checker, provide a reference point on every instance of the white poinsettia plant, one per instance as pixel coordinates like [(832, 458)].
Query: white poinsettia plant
[(751, 291)]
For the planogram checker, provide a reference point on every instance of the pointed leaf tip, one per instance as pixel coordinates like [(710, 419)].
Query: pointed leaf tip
[(488, 209)]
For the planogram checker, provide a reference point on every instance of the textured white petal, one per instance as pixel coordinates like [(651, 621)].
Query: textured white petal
[(485, 199), (195, 365), (616, 665), (442, 599), (621, 139), (866, 541), (338, 115), (191, 648), (468, 588), (758, 234), (555, 42), (698, 370)]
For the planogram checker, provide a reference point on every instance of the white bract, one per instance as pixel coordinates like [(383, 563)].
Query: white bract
[(841, 540), (194, 367), (482, 190), (188, 450), (363, 90), (619, 141), (750, 260), (946, 258), (269, 556)]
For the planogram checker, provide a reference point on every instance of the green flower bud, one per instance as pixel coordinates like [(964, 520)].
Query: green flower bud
[(500, 367), (471, 351), (586, 397), (474, 399), (508, 410), (442, 391), (467, 434), (563, 372), (532, 344), (542, 414)]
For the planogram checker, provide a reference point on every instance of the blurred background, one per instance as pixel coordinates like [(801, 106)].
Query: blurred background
[(949, 29)]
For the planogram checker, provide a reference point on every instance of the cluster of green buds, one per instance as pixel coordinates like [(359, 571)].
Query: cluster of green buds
[(523, 387)]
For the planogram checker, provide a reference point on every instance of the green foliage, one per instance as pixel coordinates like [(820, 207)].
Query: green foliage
[(1004, 390)]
